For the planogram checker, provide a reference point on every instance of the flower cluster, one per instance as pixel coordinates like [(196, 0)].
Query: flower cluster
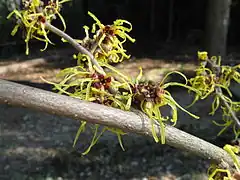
[(214, 80), (108, 86), (105, 44), (151, 97), (32, 17)]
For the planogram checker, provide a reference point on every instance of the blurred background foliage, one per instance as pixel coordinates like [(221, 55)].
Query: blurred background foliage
[(154, 22)]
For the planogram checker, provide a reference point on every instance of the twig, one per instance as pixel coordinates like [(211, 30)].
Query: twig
[(217, 69), (79, 48), (75, 44), (53, 103), (234, 116)]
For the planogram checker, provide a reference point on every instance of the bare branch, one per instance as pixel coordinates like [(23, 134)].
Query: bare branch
[(137, 122)]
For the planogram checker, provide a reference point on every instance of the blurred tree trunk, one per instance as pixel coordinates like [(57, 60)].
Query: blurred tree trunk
[(217, 26)]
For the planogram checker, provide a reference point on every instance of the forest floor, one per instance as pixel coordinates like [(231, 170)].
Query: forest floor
[(35, 145)]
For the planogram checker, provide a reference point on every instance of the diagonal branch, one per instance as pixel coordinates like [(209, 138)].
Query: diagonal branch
[(217, 69), (33, 98), (232, 113), (78, 47), (75, 44)]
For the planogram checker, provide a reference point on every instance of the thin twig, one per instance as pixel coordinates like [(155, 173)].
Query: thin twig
[(217, 69), (75, 44), (233, 114), (79, 48)]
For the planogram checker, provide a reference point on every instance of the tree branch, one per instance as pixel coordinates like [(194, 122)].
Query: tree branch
[(53, 103), (75, 44), (232, 113), (78, 47), (217, 69)]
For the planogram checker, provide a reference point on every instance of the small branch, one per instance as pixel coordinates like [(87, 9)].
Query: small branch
[(218, 90), (234, 116), (79, 48), (137, 122), (75, 44)]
